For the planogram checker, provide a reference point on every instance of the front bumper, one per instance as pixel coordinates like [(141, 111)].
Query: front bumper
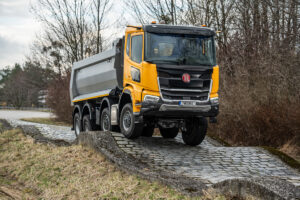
[(175, 110)]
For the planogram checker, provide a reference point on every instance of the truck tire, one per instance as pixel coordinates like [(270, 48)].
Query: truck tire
[(128, 128), (77, 124), (86, 123), (195, 131), (148, 131), (105, 120), (169, 132)]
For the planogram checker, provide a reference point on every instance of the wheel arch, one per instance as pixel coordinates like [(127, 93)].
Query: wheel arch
[(87, 109), (105, 103), (77, 109), (125, 98)]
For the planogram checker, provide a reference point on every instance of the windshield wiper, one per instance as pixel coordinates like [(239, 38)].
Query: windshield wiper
[(163, 61)]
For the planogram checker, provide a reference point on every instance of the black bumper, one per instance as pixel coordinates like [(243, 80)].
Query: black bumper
[(174, 110)]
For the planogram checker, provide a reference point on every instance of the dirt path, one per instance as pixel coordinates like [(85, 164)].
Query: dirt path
[(18, 114)]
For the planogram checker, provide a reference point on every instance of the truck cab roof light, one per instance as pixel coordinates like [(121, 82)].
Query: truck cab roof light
[(137, 27)]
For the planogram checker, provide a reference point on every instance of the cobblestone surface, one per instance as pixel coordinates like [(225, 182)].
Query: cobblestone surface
[(208, 162), (49, 131)]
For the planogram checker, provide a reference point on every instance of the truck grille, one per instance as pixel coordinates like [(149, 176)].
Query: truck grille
[(173, 88)]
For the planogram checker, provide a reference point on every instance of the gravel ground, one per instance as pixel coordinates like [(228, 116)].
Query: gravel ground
[(49, 131), (18, 114)]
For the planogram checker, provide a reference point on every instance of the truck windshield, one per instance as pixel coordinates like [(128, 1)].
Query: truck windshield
[(180, 49)]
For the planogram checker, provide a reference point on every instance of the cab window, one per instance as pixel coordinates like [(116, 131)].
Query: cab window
[(128, 44), (137, 48)]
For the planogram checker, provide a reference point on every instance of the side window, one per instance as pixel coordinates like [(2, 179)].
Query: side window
[(128, 44), (137, 48)]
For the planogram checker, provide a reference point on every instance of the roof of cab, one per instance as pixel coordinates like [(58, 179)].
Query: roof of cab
[(163, 28)]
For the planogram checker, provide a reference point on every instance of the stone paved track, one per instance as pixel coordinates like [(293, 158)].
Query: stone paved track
[(208, 162), (50, 131)]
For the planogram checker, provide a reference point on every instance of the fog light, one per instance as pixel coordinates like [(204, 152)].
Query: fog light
[(151, 99), (214, 100)]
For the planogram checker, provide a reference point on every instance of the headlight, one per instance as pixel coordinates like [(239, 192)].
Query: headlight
[(214, 100), (151, 99)]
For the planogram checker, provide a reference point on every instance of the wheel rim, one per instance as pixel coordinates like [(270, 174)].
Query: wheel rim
[(77, 128), (127, 120), (105, 122)]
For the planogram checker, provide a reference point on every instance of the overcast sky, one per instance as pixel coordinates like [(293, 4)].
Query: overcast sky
[(17, 30)]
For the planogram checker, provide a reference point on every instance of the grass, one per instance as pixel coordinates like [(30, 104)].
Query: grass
[(38, 171), (50, 121)]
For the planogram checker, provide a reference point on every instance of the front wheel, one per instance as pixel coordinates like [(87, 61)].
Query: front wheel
[(195, 132), (128, 127)]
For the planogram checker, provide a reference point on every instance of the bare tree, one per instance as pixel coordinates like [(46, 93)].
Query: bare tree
[(99, 9), (72, 29), (169, 11)]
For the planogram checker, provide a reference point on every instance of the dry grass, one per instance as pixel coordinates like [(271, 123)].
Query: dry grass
[(33, 170), (50, 121), (259, 105)]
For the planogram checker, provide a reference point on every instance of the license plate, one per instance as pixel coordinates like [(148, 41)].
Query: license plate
[(187, 103)]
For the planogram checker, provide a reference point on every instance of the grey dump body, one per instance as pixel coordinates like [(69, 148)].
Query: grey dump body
[(98, 74)]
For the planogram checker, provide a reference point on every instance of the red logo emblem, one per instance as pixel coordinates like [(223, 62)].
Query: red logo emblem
[(186, 78)]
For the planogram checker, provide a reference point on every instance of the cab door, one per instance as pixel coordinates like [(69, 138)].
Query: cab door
[(134, 55)]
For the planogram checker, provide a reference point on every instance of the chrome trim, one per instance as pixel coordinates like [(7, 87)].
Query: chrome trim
[(171, 78), (192, 79), (167, 100), (136, 113), (168, 107), (183, 90)]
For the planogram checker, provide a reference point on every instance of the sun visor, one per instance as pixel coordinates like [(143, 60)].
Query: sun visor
[(158, 28)]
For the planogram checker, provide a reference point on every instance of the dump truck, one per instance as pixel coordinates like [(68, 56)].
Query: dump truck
[(155, 76)]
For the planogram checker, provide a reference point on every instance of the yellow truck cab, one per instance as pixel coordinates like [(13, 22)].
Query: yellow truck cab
[(162, 76)]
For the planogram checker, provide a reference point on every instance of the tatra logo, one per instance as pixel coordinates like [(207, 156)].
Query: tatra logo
[(186, 78)]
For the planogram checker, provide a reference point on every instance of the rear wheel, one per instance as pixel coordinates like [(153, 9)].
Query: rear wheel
[(105, 120), (195, 132), (129, 128), (169, 132), (86, 123), (77, 124)]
